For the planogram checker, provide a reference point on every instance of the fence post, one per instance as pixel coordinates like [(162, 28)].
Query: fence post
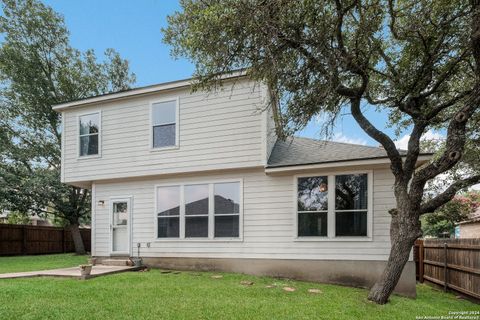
[(445, 267), (24, 239), (64, 240), (420, 261)]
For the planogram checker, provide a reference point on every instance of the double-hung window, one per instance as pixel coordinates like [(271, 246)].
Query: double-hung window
[(89, 131), (227, 209), (164, 124), (333, 205), (351, 197), (168, 212), (203, 210), (196, 210), (312, 206)]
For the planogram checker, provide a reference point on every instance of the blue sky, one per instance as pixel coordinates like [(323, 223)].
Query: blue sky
[(133, 29)]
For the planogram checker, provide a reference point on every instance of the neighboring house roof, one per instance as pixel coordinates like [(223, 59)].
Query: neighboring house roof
[(222, 205), (303, 151), (474, 218)]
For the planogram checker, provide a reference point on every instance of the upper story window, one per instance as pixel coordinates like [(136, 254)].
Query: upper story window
[(89, 134), (333, 206), (165, 124)]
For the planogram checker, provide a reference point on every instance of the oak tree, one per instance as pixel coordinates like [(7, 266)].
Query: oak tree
[(417, 60)]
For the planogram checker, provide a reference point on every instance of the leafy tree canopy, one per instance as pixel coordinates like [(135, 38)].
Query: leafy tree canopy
[(443, 220), (38, 69)]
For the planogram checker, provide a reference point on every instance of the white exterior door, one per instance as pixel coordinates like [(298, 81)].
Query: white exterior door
[(120, 213)]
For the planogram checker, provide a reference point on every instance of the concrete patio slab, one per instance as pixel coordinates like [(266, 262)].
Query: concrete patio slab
[(74, 272)]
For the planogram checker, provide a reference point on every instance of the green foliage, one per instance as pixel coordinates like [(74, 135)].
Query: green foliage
[(38, 69), (299, 49), (442, 221), (18, 218)]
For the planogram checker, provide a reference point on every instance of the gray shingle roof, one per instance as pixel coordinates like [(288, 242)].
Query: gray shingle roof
[(298, 151)]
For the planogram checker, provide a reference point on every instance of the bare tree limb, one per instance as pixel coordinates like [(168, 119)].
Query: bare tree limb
[(432, 204)]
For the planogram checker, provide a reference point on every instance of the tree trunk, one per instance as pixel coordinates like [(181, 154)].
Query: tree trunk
[(77, 239), (404, 230)]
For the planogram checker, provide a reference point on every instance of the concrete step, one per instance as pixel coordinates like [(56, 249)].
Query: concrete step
[(116, 262)]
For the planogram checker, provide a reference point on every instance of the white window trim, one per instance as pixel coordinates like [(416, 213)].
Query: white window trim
[(93, 156), (331, 208), (177, 124), (211, 215)]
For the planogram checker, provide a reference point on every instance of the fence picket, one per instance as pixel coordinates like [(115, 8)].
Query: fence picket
[(451, 263), (26, 239)]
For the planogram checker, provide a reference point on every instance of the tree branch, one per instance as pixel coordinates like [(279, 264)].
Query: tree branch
[(413, 149), (448, 194), (382, 138), (455, 144)]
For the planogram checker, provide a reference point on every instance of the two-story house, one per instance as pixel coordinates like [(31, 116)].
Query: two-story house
[(198, 180)]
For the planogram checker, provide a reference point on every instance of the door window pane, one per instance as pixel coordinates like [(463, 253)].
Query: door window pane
[(312, 193), (351, 223), (312, 224), (120, 213)]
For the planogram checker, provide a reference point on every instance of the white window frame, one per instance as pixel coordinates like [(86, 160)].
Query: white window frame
[(177, 124), (99, 154), (211, 214), (331, 215)]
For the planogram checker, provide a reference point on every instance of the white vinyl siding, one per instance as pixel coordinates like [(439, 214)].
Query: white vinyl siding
[(268, 220), (216, 130)]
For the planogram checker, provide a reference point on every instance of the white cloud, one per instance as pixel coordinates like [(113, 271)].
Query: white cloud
[(340, 137), (475, 187), (402, 143)]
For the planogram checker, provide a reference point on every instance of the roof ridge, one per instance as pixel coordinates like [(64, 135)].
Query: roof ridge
[(338, 142)]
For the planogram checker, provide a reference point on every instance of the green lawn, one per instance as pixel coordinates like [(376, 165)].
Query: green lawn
[(43, 262), (191, 295)]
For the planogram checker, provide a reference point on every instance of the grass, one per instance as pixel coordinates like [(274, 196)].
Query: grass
[(191, 295), (44, 262)]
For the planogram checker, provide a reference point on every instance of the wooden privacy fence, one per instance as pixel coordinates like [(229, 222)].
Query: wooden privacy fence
[(451, 263), (26, 239)]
